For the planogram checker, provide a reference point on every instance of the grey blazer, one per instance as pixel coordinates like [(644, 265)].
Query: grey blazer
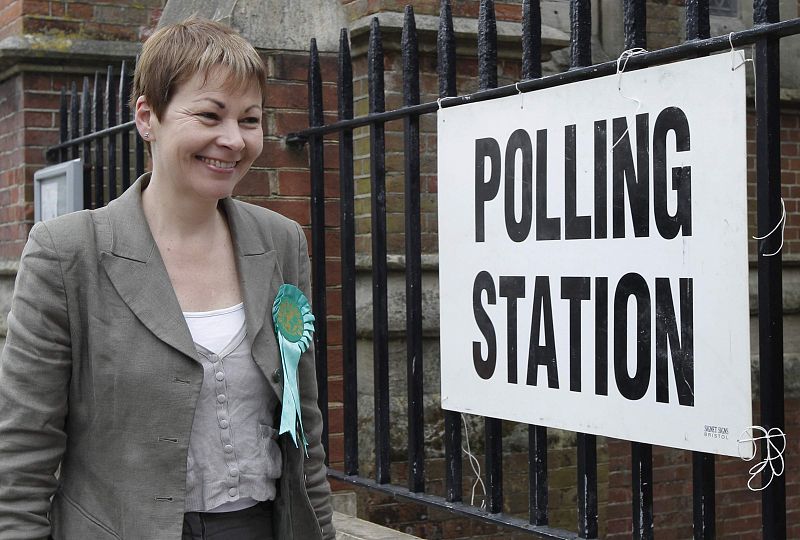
[(100, 376)]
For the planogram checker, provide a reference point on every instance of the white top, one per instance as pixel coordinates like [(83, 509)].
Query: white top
[(214, 329)]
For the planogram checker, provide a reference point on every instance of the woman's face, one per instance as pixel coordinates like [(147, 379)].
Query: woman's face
[(208, 136)]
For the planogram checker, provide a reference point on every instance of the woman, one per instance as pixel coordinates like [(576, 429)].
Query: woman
[(141, 354)]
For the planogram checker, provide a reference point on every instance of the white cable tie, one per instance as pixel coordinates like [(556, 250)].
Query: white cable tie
[(774, 453), (622, 63), (476, 467), (782, 225)]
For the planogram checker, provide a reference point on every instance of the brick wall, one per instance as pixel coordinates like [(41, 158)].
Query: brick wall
[(126, 20), (30, 98), (12, 170)]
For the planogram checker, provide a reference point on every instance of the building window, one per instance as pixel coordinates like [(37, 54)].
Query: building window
[(724, 8)]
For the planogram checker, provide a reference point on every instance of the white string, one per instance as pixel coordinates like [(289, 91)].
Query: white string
[(782, 225), (476, 467), (744, 58), (774, 454), (439, 103), (622, 63), (521, 96)]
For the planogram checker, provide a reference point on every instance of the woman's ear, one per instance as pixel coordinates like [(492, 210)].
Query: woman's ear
[(145, 118)]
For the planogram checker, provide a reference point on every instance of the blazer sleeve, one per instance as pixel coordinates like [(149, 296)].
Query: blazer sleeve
[(35, 370), (317, 486)]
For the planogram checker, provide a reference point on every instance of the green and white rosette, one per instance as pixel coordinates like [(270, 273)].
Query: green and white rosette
[(294, 326)]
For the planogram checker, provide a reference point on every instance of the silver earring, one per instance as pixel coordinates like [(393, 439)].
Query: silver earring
[(146, 135)]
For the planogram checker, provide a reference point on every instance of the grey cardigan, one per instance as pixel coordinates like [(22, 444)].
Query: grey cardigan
[(99, 375)]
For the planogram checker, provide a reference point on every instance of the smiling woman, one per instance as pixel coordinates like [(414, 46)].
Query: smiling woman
[(206, 138), (149, 321)]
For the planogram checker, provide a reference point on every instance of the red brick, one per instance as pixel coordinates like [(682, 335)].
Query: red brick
[(335, 419), (40, 100), (332, 213), (254, 183), (36, 7), (287, 95), (290, 67), (41, 137), (294, 183), (277, 155), (295, 209), (290, 121), (38, 25), (39, 119), (110, 32), (336, 452), (80, 11)]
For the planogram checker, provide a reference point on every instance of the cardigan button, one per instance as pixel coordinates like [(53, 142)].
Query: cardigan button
[(277, 375)]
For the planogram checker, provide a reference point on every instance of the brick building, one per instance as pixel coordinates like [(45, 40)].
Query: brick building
[(49, 44)]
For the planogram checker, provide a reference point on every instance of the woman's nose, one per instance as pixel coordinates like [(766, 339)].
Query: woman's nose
[(231, 136)]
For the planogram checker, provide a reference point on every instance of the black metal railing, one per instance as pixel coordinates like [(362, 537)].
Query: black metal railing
[(765, 34), (96, 126)]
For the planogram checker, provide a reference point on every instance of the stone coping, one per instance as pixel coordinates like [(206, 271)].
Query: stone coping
[(352, 528)]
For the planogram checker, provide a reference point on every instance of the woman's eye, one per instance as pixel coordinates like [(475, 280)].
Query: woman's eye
[(253, 120), (209, 115)]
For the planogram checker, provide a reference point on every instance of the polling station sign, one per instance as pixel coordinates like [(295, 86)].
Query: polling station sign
[(593, 256)]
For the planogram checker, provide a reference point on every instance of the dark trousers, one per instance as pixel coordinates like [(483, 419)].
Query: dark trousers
[(254, 523)]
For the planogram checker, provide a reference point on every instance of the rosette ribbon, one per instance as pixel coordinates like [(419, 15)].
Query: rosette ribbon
[(294, 327)]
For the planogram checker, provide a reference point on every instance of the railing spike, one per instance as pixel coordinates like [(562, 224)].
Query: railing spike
[(413, 251), (74, 118), (380, 313), (634, 22), (580, 15), (375, 63), (345, 77), (348, 257), (62, 115), (111, 120), (408, 44), (446, 70), (446, 48), (487, 46), (99, 161), (766, 11), (698, 24), (86, 128), (531, 39), (318, 266), (124, 117)]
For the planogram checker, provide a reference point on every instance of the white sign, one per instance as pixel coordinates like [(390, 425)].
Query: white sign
[(58, 190), (593, 257)]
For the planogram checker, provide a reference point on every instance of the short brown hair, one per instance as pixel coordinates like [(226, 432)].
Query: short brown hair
[(175, 53)]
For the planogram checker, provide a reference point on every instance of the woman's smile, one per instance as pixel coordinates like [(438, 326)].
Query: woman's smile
[(218, 164)]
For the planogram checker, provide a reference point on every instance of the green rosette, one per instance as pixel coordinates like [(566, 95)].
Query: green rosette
[(294, 327)]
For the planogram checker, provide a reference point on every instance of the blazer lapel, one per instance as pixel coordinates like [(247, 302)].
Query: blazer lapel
[(259, 278), (134, 265)]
